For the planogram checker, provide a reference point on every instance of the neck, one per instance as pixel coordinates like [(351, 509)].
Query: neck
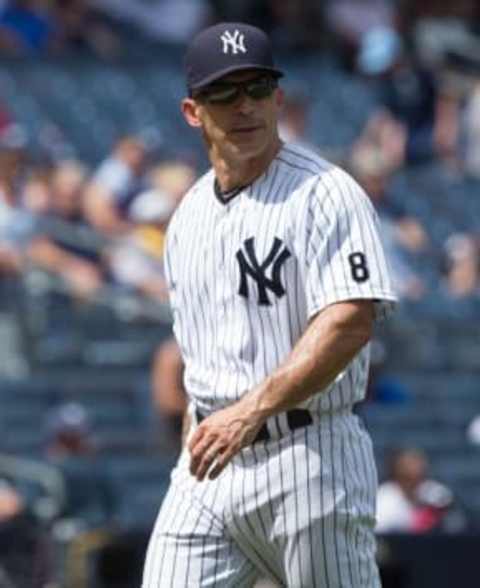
[(232, 173)]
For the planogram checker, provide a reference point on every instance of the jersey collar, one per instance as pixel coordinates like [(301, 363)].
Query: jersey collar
[(226, 197)]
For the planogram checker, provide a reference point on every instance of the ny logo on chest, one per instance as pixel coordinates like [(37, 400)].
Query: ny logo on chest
[(251, 268)]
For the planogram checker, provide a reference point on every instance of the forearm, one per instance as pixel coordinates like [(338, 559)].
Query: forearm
[(50, 256), (330, 342)]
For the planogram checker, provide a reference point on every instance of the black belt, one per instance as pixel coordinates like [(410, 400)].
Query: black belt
[(296, 418)]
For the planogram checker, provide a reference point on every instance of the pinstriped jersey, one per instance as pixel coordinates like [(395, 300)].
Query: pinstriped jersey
[(246, 275)]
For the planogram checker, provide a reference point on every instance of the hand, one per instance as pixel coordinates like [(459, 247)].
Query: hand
[(221, 436)]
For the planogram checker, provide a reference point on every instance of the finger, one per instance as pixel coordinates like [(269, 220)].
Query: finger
[(198, 454), (196, 437), (205, 464), (209, 457), (223, 460)]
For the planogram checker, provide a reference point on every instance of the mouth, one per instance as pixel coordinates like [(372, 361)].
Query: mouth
[(245, 130)]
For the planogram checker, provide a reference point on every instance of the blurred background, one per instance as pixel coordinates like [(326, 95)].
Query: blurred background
[(94, 158)]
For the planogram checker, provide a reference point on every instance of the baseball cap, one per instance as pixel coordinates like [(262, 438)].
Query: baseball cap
[(225, 48)]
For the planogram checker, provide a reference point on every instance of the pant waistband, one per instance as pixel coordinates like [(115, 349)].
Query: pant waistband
[(296, 418)]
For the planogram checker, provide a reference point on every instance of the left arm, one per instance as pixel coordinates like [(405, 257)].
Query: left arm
[(330, 342)]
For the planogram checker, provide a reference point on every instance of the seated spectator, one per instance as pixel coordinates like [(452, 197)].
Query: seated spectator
[(168, 393), (71, 447), (26, 27), (117, 181), (61, 246), (415, 121), (25, 548), (409, 502), (403, 235), (173, 178), (136, 260), (462, 266), (68, 432)]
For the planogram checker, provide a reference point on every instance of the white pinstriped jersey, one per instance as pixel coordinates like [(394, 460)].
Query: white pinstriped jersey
[(246, 276)]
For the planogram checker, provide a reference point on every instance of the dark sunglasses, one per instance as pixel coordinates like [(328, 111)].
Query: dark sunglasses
[(228, 92)]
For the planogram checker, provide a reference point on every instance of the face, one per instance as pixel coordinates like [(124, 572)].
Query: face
[(243, 126)]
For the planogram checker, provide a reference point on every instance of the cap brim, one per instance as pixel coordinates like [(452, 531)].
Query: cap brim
[(233, 68)]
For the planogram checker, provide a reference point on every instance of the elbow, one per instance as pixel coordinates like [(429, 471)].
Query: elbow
[(355, 321)]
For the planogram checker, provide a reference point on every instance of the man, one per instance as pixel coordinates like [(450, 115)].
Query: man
[(114, 186), (276, 275)]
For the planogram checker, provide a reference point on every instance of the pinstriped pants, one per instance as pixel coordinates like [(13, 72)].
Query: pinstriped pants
[(299, 510)]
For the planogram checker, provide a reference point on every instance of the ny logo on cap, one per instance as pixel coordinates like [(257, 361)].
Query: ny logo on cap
[(233, 43)]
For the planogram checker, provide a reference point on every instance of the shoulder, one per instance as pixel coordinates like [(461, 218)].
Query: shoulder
[(303, 160), (325, 184)]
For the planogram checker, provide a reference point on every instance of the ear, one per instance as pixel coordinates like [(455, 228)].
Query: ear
[(280, 98), (190, 112)]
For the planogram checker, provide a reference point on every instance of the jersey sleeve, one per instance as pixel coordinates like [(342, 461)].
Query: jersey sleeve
[(344, 257)]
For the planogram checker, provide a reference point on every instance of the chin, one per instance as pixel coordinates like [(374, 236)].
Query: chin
[(248, 150)]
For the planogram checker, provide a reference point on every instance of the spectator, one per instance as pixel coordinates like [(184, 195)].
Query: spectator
[(462, 266), (61, 246), (168, 393), (415, 121), (136, 260), (409, 502), (172, 177), (404, 236), (68, 431), (25, 548), (114, 186), (71, 447)]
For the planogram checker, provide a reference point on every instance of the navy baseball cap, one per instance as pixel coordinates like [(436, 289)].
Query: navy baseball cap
[(225, 48)]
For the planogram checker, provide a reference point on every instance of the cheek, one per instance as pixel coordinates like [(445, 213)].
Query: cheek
[(213, 126)]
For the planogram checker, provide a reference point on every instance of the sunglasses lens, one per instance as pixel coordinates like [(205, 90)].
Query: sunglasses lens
[(259, 89), (222, 95), (228, 93)]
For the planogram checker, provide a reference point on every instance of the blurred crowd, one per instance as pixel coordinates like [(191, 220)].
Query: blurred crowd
[(90, 228), (56, 26)]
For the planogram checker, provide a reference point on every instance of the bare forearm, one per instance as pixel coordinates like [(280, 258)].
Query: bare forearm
[(330, 342)]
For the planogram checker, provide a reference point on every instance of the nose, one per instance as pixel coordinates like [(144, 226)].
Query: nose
[(245, 104)]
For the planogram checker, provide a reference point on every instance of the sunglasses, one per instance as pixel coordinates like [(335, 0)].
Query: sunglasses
[(228, 92)]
